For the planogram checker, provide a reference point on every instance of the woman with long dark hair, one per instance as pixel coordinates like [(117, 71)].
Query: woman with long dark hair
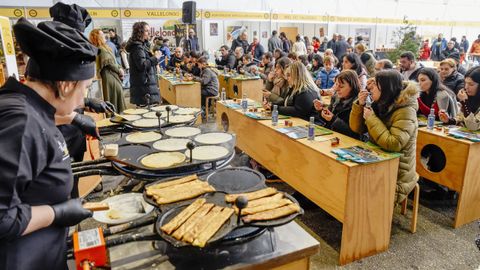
[(469, 97), (433, 94), (391, 123), (143, 63), (353, 62), (317, 64), (337, 115)]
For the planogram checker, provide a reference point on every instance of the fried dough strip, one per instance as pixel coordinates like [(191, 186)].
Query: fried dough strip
[(272, 214), (252, 195), (182, 216), (192, 220), (213, 227)]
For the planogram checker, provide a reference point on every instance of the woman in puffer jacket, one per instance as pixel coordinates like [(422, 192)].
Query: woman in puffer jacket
[(451, 78), (391, 123)]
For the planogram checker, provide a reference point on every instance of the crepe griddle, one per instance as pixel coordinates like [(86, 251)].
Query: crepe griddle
[(131, 154), (279, 221), (217, 198), (236, 180)]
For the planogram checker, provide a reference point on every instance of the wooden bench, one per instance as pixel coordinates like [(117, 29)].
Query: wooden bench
[(187, 95), (252, 88)]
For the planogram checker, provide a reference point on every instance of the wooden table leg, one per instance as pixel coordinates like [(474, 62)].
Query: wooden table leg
[(468, 207)]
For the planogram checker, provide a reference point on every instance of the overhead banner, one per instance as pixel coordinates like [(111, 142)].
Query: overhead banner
[(298, 17), (104, 13), (151, 13), (12, 12), (7, 47), (226, 15), (39, 13)]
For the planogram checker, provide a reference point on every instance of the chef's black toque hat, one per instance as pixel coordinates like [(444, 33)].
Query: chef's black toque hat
[(57, 51), (72, 15)]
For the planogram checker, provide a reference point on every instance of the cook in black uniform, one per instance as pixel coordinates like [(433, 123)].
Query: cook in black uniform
[(35, 171), (75, 126)]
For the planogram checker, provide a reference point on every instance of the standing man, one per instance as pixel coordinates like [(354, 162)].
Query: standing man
[(115, 38), (331, 43), (257, 50), (323, 40), (464, 45), (438, 46), (192, 43), (241, 41), (274, 42), (340, 47)]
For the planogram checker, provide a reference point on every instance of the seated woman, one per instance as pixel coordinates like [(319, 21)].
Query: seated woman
[(277, 54), (353, 62), (451, 78), (208, 80), (434, 95), (299, 103), (469, 115), (326, 77), (249, 67), (276, 86), (391, 123), (317, 64), (337, 116)]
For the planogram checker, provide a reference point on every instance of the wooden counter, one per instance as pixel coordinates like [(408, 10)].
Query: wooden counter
[(251, 87), (182, 94), (359, 196), (292, 249), (461, 172)]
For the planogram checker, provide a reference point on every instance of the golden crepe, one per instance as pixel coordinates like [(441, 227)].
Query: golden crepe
[(162, 160), (147, 122), (189, 236), (151, 115), (202, 239), (213, 138), (187, 111), (251, 195), (180, 118), (208, 152), (143, 137), (172, 144), (178, 220), (163, 108), (192, 220), (166, 195), (131, 117), (179, 187), (182, 132), (265, 200), (273, 214), (135, 111), (182, 180), (264, 207)]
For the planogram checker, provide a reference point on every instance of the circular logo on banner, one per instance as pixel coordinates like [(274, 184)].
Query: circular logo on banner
[(275, 16), (197, 14), (9, 48), (266, 16), (207, 14), (32, 13), (114, 13), (18, 12), (127, 13)]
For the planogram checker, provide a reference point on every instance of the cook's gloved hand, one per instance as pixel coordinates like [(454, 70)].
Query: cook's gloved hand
[(99, 106), (86, 124), (69, 213)]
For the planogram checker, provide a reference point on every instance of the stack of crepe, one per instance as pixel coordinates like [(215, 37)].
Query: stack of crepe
[(264, 204), (178, 190), (197, 223)]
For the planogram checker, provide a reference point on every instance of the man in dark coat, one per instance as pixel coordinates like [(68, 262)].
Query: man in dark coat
[(331, 43), (192, 43), (143, 66), (227, 59), (241, 41), (340, 47), (274, 42)]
